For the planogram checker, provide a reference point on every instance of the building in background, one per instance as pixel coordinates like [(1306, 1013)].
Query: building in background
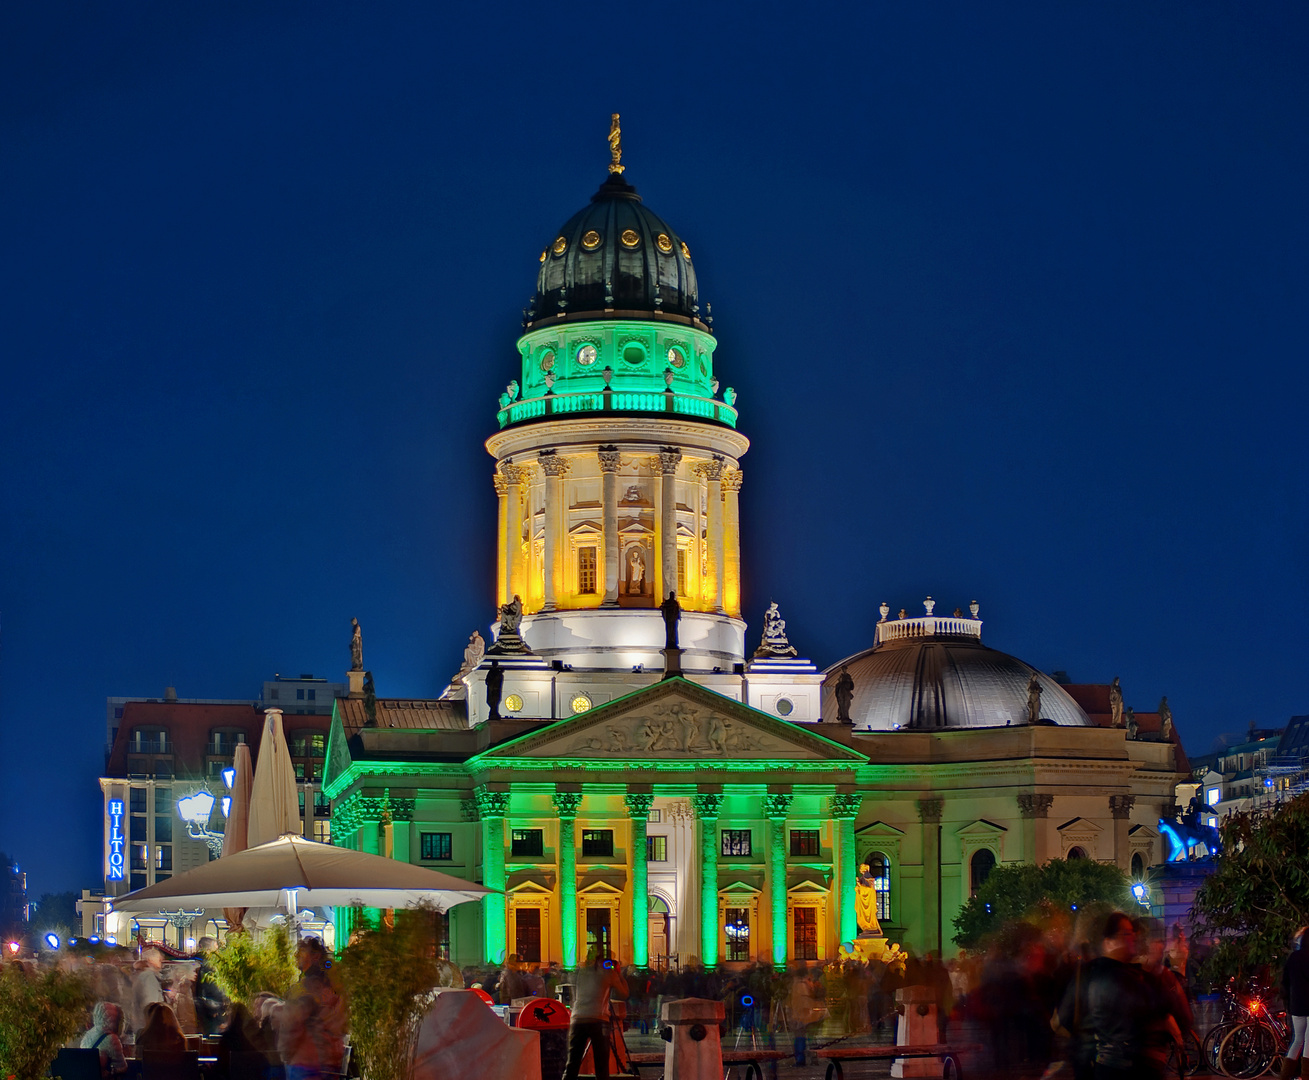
[(302, 695)]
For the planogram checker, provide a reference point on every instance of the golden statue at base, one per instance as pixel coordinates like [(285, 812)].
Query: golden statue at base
[(615, 145), (865, 903)]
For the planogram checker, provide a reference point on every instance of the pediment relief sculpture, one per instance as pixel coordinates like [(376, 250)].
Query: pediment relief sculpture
[(676, 729)]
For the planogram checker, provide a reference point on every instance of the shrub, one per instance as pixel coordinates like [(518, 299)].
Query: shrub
[(245, 967), (39, 1012)]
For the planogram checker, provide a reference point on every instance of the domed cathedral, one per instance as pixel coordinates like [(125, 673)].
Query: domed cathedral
[(623, 770)]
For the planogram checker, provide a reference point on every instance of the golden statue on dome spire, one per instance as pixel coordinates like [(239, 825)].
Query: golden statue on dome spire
[(615, 145)]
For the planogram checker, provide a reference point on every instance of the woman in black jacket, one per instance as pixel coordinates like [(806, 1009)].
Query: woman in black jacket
[(1295, 993)]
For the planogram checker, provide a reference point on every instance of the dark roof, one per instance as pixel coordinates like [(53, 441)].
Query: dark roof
[(404, 713), (589, 268)]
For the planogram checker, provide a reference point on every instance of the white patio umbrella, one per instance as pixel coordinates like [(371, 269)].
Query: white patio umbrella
[(274, 801), (236, 830), (292, 872)]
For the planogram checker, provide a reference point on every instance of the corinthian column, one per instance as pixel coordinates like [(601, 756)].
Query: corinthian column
[(669, 457), (732, 542), (517, 477), (609, 461), (929, 813), (706, 809), (491, 808), (501, 532), (638, 808), (776, 807), (712, 471), (554, 466), (845, 808), (566, 804)]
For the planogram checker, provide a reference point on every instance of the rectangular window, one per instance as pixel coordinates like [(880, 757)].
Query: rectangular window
[(323, 830), (681, 571), (312, 695), (737, 926), (164, 830), (300, 695), (655, 817), (586, 573), (656, 849), (317, 745), (164, 769), (598, 930), (322, 805), (805, 842), (164, 857), (137, 882), (299, 770), (138, 799), (527, 934), (530, 842), (273, 693), (806, 934), (598, 842), (139, 855), (437, 845), (163, 800), (736, 842)]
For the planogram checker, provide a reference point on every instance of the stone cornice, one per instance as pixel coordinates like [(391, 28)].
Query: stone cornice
[(635, 433)]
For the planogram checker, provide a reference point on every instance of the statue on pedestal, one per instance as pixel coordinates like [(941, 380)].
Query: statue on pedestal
[(370, 701), (495, 684), (509, 639), (774, 641), (1133, 728), (1033, 699), (844, 690), (356, 647), (1116, 703), (672, 612), (1165, 720), (865, 903)]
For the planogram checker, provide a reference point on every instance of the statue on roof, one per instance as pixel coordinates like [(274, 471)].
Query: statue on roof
[(844, 691), (1033, 698), (370, 701), (356, 647), (774, 641), (473, 652), (1165, 720), (1115, 703), (672, 612), (615, 146), (509, 639), (495, 684), (1133, 728)]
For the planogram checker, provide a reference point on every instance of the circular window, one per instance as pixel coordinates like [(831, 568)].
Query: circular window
[(580, 703), (586, 355), (560, 246), (513, 703), (686, 251), (676, 358), (591, 240), (630, 238), (665, 245), (785, 707), (634, 354), (548, 360)]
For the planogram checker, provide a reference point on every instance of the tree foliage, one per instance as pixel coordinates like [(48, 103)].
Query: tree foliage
[(1259, 894), (39, 1012), (57, 912), (1024, 890), (245, 967), (386, 975)]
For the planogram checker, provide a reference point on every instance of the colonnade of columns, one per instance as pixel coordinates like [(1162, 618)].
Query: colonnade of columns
[(720, 588)]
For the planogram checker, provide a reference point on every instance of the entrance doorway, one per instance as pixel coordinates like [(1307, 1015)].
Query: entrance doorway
[(598, 932), (661, 932)]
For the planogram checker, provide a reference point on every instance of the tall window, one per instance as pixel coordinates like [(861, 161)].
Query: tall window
[(737, 926), (681, 571), (323, 830), (598, 842), (805, 842), (437, 845), (656, 849), (879, 868), (736, 842), (526, 842), (806, 934), (527, 934), (586, 570), (980, 867)]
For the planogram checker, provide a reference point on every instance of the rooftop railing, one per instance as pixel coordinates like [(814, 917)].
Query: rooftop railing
[(928, 626), (618, 401)]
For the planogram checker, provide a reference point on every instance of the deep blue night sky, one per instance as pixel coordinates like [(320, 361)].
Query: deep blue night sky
[(1014, 297)]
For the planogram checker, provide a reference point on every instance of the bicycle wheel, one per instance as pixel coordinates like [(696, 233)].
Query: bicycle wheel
[(1247, 1051), (1213, 1041), (1192, 1053)]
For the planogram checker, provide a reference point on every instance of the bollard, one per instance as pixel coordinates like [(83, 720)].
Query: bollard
[(916, 1027), (695, 1048)]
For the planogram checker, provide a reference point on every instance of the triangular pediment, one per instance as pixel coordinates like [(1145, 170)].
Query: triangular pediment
[(674, 720), (879, 828), (982, 827), (1079, 824)]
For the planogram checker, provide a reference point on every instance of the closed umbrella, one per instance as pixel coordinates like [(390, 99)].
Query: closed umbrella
[(236, 831), (274, 801), (292, 872)]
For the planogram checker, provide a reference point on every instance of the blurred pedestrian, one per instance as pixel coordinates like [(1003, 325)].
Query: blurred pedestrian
[(1295, 994), (106, 1027), (161, 1034)]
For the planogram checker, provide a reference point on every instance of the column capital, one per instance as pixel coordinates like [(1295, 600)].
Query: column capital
[(777, 805), (1035, 806), (712, 469), (669, 458), (566, 803), (552, 464), (501, 484), (517, 474), (845, 805), (929, 810), (610, 458), (732, 479), (707, 805), (638, 804), (491, 803), (1120, 806)]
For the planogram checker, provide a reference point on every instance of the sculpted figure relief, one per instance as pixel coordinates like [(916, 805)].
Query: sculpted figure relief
[(676, 730)]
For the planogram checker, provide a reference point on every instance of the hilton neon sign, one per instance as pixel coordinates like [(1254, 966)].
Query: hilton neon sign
[(116, 840)]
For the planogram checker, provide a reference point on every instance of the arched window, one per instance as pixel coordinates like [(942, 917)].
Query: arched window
[(1138, 866), (981, 865), (879, 868), (1076, 853)]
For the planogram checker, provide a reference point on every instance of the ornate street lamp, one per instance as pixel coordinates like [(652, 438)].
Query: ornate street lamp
[(195, 810)]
